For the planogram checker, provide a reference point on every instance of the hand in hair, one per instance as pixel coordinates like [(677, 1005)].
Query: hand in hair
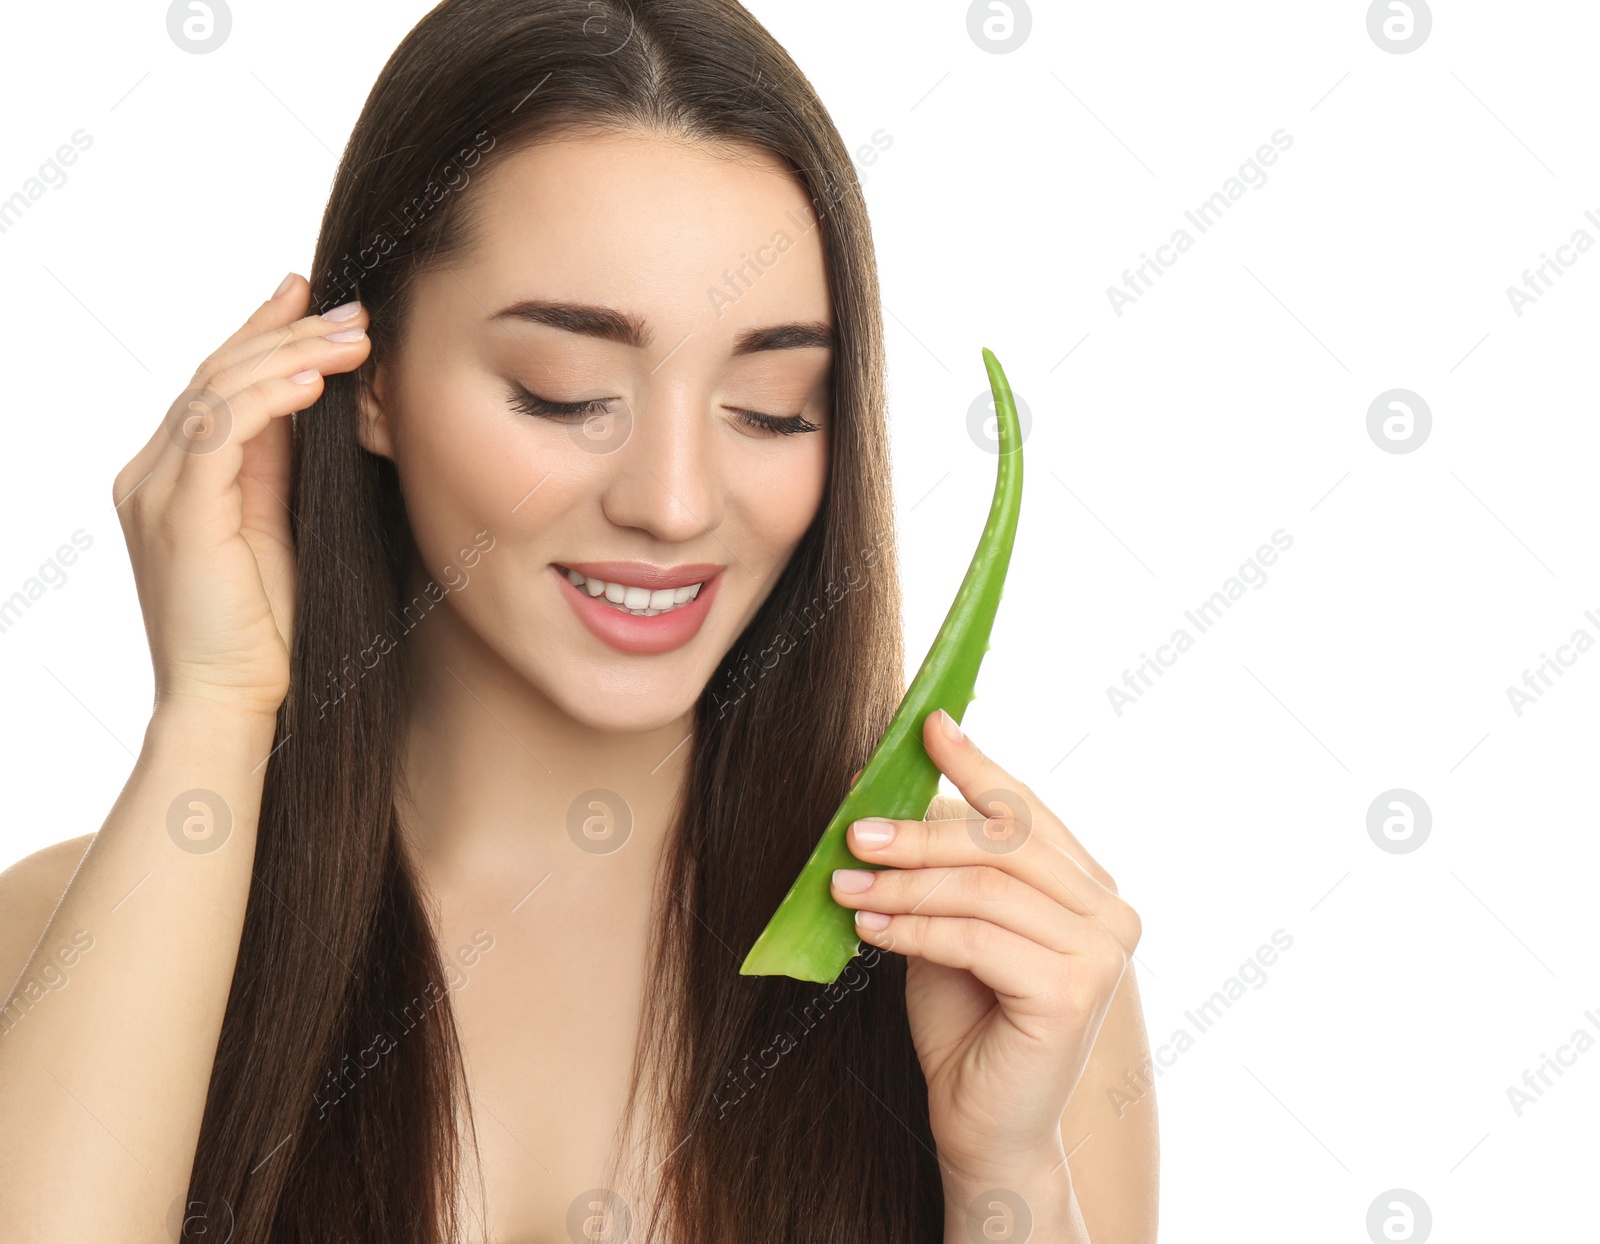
[(204, 505)]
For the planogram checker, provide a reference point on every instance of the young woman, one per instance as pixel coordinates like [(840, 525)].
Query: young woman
[(521, 596)]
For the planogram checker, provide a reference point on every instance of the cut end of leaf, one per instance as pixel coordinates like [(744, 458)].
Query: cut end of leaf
[(818, 960)]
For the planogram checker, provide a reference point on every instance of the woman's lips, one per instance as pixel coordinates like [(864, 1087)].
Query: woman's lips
[(627, 632)]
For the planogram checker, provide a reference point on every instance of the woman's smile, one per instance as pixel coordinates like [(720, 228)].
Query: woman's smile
[(637, 608)]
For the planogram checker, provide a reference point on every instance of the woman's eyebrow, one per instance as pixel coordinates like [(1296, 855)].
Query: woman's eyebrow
[(630, 330)]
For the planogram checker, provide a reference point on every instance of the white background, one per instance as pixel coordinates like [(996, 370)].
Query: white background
[(1167, 444)]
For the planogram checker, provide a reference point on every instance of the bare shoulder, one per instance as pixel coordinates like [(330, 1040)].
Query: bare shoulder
[(29, 892)]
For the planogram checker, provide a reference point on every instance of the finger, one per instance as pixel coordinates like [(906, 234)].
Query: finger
[(977, 891), (242, 418), (336, 352), (252, 351), (156, 465), (181, 434), (246, 398), (288, 303), (1038, 863), (1007, 962), (996, 842), (266, 458), (992, 791)]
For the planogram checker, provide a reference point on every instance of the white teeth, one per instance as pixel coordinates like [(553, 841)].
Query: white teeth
[(639, 601)]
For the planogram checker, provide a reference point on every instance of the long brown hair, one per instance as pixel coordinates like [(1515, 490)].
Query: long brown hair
[(783, 1110)]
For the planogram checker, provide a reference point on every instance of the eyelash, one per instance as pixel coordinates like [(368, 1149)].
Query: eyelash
[(542, 408)]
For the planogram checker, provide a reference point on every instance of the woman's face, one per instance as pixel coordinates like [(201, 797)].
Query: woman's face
[(684, 294)]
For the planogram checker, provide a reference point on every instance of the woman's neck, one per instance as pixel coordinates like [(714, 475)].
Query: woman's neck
[(499, 782)]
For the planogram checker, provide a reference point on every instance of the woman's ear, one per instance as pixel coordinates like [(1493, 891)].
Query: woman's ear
[(372, 427)]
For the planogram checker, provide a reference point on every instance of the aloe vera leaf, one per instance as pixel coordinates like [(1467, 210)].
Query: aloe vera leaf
[(810, 937)]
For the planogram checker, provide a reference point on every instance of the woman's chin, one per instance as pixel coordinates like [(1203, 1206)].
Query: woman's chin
[(639, 710)]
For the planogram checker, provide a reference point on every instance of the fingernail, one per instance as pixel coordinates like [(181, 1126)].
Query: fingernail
[(305, 377), (874, 831), (951, 730), (852, 880), (349, 334), (874, 920), (284, 288), (343, 312)]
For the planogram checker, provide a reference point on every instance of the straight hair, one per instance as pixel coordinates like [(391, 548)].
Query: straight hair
[(772, 1110)]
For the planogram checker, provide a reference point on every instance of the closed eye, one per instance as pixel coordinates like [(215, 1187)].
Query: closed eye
[(530, 403)]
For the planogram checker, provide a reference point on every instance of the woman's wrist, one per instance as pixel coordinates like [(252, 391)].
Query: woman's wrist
[(1033, 1203), (185, 714), (211, 742)]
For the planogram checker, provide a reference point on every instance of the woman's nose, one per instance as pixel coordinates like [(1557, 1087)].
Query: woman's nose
[(664, 477)]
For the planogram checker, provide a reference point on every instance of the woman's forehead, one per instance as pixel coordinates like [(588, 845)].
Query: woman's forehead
[(680, 238)]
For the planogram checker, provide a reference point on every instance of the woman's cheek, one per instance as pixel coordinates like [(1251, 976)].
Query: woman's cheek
[(783, 495), (472, 447)]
